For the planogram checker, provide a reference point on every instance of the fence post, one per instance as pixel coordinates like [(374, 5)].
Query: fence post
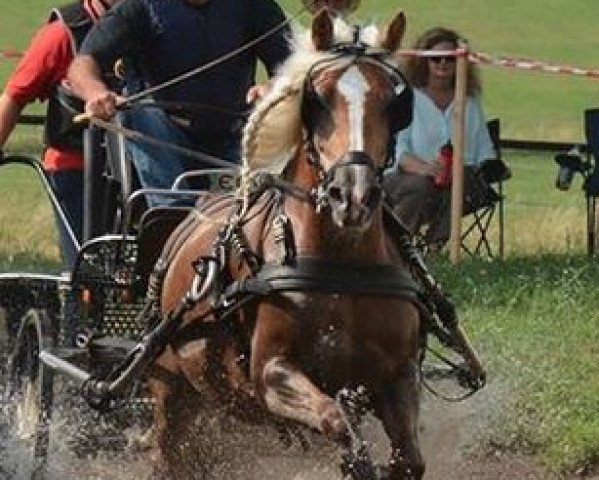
[(457, 171)]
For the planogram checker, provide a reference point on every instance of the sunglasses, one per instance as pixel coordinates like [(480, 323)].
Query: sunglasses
[(446, 58)]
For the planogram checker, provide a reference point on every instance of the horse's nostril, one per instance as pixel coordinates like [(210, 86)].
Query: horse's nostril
[(372, 197), (336, 194)]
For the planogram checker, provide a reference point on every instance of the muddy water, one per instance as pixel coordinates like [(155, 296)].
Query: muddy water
[(83, 447), (87, 446)]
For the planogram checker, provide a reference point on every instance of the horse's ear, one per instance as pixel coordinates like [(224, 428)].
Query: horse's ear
[(394, 34), (322, 31)]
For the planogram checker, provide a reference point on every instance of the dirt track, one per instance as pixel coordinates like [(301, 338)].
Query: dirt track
[(448, 431), (448, 434)]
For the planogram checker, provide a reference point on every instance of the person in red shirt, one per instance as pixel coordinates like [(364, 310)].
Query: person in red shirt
[(41, 75)]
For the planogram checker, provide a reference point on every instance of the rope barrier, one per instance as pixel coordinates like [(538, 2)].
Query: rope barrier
[(510, 62), (529, 64), (476, 57), (10, 54)]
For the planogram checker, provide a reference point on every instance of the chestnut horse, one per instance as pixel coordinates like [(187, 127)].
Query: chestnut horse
[(290, 291)]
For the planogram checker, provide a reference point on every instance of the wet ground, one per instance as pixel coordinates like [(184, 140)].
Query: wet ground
[(449, 433), (448, 436)]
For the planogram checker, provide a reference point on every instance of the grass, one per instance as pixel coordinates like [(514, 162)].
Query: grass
[(536, 318), (27, 231), (531, 105), (533, 314), (538, 217)]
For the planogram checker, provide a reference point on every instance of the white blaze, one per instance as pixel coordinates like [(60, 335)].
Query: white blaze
[(353, 87)]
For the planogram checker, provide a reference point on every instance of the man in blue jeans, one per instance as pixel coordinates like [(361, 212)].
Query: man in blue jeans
[(158, 167), (163, 39)]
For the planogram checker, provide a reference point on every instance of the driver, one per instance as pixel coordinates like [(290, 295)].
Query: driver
[(162, 39)]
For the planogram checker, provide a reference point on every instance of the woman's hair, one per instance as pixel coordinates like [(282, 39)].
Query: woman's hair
[(416, 68)]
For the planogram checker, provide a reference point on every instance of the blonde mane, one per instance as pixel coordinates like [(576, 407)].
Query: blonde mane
[(274, 131)]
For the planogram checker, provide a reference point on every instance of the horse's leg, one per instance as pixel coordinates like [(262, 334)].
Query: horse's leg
[(288, 392), (281, 384), (398, 409), (162, 392), (174, 412)]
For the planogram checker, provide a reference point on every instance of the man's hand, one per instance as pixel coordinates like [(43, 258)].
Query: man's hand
[(103, 104), (258, 91), (434, 168), (85, 79)]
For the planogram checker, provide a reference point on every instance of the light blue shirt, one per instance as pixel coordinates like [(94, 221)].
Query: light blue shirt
[(431, 129)]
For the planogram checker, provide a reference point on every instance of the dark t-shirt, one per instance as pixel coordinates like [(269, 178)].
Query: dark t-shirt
[(166, 38)]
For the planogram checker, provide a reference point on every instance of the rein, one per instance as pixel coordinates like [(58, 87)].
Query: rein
[(455, 369), (184, 108), (141, 137)]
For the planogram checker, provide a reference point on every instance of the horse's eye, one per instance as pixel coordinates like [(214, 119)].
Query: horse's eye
[(315, 110)]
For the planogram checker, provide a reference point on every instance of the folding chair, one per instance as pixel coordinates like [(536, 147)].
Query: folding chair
[(591, 183), (481, 206)]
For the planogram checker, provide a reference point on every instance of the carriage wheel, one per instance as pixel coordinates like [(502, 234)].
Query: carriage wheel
[(9, 323), (30, 393), (4, 337)]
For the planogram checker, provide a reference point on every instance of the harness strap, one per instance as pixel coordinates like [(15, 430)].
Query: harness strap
[(307, 274), (312, 274)]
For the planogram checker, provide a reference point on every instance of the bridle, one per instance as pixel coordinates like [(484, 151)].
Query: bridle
[(400, 112)]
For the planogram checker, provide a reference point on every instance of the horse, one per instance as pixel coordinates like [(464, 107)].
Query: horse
[(288, 292)]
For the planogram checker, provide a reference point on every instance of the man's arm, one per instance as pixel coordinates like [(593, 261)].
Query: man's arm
[(37, 73), (85, 78), (9, 113), (121, 32), (273, 50)]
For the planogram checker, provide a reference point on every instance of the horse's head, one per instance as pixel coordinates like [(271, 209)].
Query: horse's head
[(354, 102), (339, 99)]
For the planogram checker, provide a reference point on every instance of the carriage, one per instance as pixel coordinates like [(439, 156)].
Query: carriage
[(85, 321), (103, 325)]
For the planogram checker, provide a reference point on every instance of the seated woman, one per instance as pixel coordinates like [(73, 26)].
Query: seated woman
[(416, 189)]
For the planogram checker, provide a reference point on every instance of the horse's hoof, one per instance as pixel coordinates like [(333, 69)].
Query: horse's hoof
[(333, 425), (472, 379), (402, 472)]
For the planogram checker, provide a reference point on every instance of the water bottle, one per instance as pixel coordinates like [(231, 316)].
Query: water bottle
[(443, 177)]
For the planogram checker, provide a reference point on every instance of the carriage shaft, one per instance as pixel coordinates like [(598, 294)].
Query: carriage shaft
[(67, 368)]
